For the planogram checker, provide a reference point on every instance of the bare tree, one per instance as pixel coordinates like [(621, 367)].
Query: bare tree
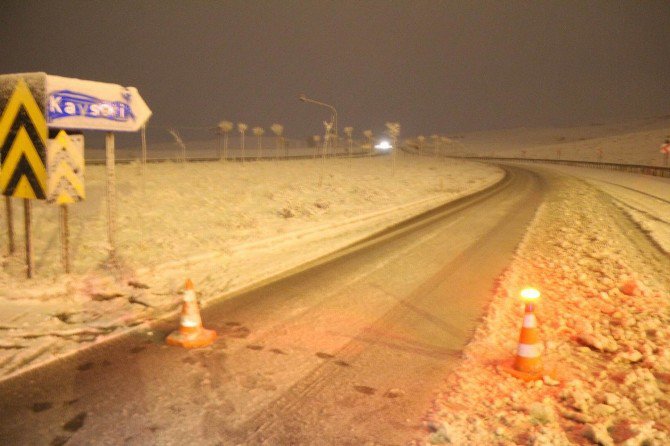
[(180, 143), (242, 127), (445, 142), (421, 140), (259, 132), (328, 137), (394, 131), (349, 132), (368, 135), (436, 143), (224, 128), (277, 129)]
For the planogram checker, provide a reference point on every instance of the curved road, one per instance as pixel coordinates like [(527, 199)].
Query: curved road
[(345, 352)]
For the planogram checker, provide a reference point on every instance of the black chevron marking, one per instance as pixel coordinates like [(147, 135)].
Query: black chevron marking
[(22, 119), (65, 184), (62, 156), (23, 168)]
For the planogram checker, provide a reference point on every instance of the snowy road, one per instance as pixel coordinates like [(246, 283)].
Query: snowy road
[(348, 352)]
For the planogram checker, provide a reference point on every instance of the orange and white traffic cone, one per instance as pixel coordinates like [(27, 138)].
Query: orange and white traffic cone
[(527, 362), (191, 333)]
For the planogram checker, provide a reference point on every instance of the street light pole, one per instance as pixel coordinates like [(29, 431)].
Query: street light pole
[(304, 98)]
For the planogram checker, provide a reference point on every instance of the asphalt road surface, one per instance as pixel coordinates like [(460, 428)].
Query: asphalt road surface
[(349, 351)]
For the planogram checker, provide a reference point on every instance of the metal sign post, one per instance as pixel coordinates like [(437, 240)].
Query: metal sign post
[(143, 181), (111, 193), (30, 262), (64, 238), (143, 161), (10, 225)]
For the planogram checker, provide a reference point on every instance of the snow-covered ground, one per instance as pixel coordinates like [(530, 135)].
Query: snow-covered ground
[(224, 225), (604, 313), (604, 321), (634, 142)]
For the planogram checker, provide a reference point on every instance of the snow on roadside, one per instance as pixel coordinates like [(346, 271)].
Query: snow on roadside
[(224, 225), (645, 199), (604, 317), (650, 213)]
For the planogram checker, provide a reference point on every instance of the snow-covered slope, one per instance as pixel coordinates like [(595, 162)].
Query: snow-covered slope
[(635, 142)]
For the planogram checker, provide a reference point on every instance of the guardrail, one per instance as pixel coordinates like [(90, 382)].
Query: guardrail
[(656, 171), (196, 159)]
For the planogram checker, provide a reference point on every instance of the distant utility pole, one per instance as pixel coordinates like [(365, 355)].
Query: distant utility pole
[(304, 98)]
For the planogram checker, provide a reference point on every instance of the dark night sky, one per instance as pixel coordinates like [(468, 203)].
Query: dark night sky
[(433, 66)]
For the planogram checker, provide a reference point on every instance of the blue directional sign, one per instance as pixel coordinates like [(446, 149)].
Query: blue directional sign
[(67, 103), (87, 105)]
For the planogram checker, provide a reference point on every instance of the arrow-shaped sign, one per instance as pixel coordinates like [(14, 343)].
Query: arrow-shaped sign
[(87, 105), (65, 166)]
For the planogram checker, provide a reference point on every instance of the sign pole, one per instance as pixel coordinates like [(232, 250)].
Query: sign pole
[(111, 193), (395, 150), (64, 238), (143, 180), (29, 242), (144, 148), (10, 224)]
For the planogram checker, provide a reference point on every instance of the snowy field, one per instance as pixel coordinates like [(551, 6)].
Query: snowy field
[(635, 142), (225, 225)]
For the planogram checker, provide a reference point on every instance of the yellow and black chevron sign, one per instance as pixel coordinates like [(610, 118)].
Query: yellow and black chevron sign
[(23, 135), (65, 161)]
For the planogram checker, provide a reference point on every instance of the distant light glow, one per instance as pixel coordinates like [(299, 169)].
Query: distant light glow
[(384, 145), (530, 294)]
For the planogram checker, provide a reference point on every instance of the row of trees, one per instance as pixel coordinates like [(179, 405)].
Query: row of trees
[(393, 130), (437, 139), (349, 131), (225, 127)]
